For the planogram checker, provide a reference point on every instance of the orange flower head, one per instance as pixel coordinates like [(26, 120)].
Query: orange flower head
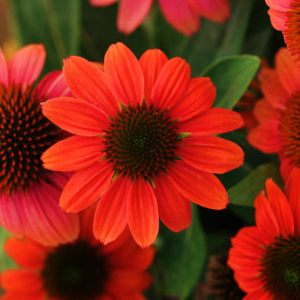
[(285, 17), (81, 270), (142, 143), (265, 258), (278, 113)]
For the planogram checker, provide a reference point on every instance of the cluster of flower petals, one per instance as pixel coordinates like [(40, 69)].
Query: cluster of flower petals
[(183, 15), (156, 84), (32, 211)]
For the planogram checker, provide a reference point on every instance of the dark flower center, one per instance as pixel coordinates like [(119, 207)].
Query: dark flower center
[(290, 129), (24, 135), (141, 141), (280, 271), (75, 271)]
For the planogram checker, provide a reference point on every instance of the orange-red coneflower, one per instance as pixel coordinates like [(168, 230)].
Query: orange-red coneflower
[(278, 113), (81, 270), (265, 258), (29, 193), (142, 143), (183, 15), (285, 17)]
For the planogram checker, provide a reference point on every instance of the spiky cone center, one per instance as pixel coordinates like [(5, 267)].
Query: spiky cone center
[(220, 281), (24, 135), (75, 271), (280, 268), (141, 141), (290, 129), (291, 33)]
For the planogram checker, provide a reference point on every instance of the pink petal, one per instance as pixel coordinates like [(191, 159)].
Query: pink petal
[(86, 187), (211, 154), (110, 217), (266, 137), (281, 5), (202, 188), (142, 212), (152, 62), (181, 15), (76, 116), (288, 71), (53, 85), (278, 19), (88, 82), (124, 75), (3, 69), (171, 83), (293, 193), (131, 14), (102, 2), (27, 64), (199, 97), (281, 209), (215, 10), (213, 121), (174, 210), (73, 153)]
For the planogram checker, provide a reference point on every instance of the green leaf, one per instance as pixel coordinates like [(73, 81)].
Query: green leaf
[(245, 192), (54, 23), (231, 76), (180, 259), (5, 261)]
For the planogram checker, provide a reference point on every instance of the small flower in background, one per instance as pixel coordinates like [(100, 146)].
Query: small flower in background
[(143, 143), (265, 258), (183, 15), (84, 269), (29, 193), (278, 113), (219, 281), (285, 17)]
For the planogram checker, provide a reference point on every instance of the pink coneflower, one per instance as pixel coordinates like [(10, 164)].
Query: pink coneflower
[(29, 193), (142, 143), (183, 15)]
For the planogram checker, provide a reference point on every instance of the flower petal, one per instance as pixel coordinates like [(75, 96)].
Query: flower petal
[(272, 88), (281, 5), (86, 187), (76, 116), (171, 83), (211, 154), (53, 85), (213, 121), (27, 64), (202, 188), (102, 2), (294, 197), (278, 19), (73, 153), (215, 10), (281, 209), (124, 75), (265, 137), (265, 219), (199, 97), (174, 210), (142, 212), (88, 82), (264, 112), (110, 217), (152, 62), (181, 15), (131, 14), (3, 69), (25, 253), (288, 71)]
